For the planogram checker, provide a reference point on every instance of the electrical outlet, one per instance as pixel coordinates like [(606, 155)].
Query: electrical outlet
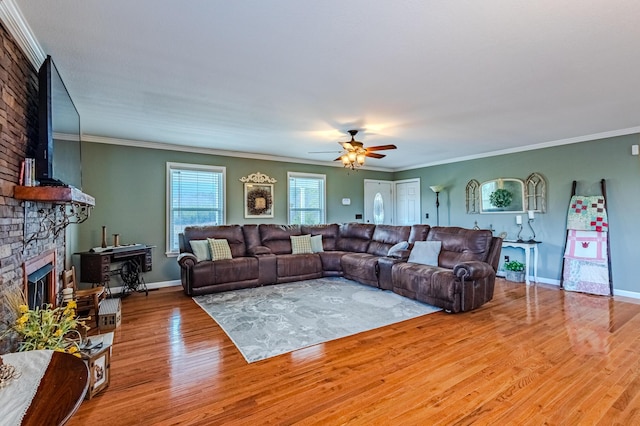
[(426, 215)]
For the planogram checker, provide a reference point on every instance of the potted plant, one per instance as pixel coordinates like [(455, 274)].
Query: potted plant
[(514, 271)]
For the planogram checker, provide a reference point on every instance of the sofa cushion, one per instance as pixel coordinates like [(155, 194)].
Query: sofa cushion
[(328, 231), (460, 244), (232, 233), (220, 249), (277, 237), (300, 244), (385, 236), (355, 237), (425, 252), (298, 265), (205, 274), (200, 248), (361, 267), (316, 244)]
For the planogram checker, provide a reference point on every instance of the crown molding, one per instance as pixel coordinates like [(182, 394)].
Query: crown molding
[(577, 139), (210, 151), (12, 18)]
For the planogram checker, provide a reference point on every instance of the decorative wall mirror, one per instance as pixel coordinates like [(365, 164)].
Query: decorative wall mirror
[(503, 195)]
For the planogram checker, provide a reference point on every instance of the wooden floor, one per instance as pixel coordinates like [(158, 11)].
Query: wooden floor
[(534, 355)]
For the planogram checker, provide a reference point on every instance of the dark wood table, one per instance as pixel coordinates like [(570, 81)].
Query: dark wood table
[(60, 393)]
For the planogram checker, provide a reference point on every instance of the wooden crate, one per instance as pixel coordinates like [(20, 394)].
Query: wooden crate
[(110, 314)]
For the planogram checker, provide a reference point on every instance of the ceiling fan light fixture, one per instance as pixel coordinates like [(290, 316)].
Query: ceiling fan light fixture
[(345, 160), (360, 159), (352, 156)]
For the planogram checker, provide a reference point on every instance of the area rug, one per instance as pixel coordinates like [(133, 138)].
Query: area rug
[(267, 321)]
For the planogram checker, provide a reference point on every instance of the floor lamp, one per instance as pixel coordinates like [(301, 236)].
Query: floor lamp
[(437, 189)]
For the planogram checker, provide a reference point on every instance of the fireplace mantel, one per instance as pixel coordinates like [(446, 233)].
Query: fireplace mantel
[(53, 194)]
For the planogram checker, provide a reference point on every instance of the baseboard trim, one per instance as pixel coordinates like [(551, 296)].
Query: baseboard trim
[(151, 286)]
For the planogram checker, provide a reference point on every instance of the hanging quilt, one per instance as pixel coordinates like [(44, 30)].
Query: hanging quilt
[(587, 213), (586, 266)]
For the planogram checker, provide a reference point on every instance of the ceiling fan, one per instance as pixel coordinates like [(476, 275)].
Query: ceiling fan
[(355, 152)]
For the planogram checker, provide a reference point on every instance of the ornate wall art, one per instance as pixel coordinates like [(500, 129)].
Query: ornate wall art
[(535, 188), (258, 196), (473, 197)]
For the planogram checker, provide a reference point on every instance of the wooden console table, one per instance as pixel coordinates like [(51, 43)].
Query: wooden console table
[(528, 247), (95, 266)]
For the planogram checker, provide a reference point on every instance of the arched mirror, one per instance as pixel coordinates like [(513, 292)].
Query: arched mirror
[(504, 195)]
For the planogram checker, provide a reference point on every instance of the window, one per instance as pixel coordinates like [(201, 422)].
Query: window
[(195, 196), (307, 195)]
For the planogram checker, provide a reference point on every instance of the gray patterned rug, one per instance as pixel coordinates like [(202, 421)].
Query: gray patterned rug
[(267, 321)]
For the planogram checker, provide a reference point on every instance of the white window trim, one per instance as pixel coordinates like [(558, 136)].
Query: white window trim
[(324, 190), (168, 188)]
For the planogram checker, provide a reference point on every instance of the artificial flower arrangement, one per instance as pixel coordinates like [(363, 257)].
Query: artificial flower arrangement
[(46, 327)]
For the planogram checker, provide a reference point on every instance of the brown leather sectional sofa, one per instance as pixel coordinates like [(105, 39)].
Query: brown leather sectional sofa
[(261, 255)]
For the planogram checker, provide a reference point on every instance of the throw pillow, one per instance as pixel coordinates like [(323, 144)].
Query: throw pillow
[(316, 244), (425, 252), (301, 244), (200, 249), (397, 248), (220, 249)]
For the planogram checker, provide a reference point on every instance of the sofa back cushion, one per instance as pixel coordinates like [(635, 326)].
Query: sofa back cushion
[(355, 237), (278, 237), (329, 234), (460, 244), (232, 233), (385, 236), (418, 233)]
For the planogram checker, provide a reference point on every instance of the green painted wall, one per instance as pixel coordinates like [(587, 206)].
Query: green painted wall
[(129, 186), (586, 162)]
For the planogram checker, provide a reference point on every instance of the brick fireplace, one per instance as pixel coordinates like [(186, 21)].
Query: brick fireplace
[(18, 131)]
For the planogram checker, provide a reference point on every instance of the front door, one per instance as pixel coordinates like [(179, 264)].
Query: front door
[(408, 202), (378, 202)]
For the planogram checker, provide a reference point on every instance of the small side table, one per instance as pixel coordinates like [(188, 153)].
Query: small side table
[(528, 247), (98, 361)]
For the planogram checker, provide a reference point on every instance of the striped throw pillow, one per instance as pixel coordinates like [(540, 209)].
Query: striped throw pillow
[(301, 244), (219, 249)]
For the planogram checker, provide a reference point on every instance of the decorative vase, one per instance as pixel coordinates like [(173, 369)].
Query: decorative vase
[(116, 240), (104, 237)]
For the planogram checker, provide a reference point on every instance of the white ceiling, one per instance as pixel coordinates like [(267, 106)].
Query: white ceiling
[(442, 80)]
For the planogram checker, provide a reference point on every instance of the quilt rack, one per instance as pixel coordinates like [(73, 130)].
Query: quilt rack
[(586, 265)]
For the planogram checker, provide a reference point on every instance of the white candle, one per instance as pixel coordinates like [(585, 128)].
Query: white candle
[(518, 220), (530, 212)]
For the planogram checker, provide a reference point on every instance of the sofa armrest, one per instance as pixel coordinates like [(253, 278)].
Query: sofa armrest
[(257, 250), (187, 260), (472, 270)]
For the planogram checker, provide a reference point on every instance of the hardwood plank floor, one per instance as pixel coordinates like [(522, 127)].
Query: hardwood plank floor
[(533, 355)]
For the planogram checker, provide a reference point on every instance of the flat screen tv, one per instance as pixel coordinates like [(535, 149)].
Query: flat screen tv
[(57, 153)]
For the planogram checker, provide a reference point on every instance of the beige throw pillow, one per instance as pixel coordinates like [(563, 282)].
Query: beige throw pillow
[(220, 249), (301, 244)]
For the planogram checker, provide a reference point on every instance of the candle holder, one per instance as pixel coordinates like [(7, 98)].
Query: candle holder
[(519, 232), (533, 237)]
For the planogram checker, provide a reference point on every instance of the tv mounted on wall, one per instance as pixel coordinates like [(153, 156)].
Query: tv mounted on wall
[(57, 153)]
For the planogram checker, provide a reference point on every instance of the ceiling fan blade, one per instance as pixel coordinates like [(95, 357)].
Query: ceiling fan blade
[(381, 147), (323, 152), (338, 159), (374, 155), (347, 146)]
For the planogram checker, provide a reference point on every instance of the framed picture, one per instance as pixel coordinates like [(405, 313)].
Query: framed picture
[(258, 200)]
